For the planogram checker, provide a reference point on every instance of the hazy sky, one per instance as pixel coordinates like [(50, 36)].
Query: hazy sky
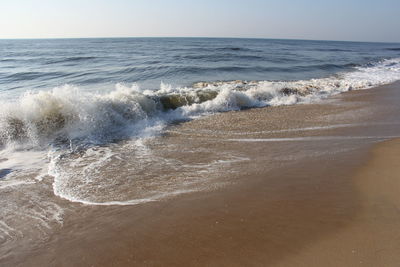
[(360, 20)]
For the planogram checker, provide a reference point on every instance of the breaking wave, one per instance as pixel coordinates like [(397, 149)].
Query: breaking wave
[(68, 114)]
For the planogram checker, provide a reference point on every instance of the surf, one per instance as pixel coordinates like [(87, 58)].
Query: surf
[(69, 114)]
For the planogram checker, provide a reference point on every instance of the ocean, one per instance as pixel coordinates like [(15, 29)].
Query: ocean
[(85, 122)]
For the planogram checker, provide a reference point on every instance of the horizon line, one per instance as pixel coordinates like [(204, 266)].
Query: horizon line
[(196, 37)]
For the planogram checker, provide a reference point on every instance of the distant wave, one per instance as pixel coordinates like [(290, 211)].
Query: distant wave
[(30, 75), (218, 49), (163, 70), (7, 60), (334, 50), (69, 59), (221, 57), (234, 48)]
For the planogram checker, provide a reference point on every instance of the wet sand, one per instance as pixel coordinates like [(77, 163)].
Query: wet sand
[(327, 201)]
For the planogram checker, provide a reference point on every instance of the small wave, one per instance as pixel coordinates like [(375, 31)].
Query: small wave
[(78, 58), (69, 59), (7, 60), (31, 75), (318, 67), (235, 48), (335, 50), (230, 48), (393, 49), (260, 69), (220, 57)]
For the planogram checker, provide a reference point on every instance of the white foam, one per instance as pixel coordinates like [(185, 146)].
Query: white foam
[(129, 174), (21, 167), (27, 212), (309, 138), (39, 117), (265, 93), (7, 232), (74, 114), (12, 183), (22, 159), (199, 132)]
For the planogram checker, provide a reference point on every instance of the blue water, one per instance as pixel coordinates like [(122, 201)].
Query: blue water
[(100, 63)]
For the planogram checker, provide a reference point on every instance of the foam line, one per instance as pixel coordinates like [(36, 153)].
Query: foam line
[(308, 138)]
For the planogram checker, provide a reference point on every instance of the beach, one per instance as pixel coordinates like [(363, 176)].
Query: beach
[(306, 185)]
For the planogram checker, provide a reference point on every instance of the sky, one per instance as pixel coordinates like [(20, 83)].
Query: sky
[(352, 20)]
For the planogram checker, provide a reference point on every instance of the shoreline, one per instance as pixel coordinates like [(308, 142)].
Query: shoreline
[(310, 209)]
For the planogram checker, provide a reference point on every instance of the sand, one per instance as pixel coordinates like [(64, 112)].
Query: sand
[(371, 236), (327, 202)]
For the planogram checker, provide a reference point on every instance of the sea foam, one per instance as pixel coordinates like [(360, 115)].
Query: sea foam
[(67, 113)]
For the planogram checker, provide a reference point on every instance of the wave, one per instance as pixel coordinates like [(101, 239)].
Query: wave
[(334, 50), (7, 60), (187, 70), (220, 57), (31, 75), (236, 48), (70, 59), (67, 114)]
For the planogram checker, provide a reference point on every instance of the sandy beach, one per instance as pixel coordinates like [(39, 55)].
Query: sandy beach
[(324, 194), (199, 133)]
